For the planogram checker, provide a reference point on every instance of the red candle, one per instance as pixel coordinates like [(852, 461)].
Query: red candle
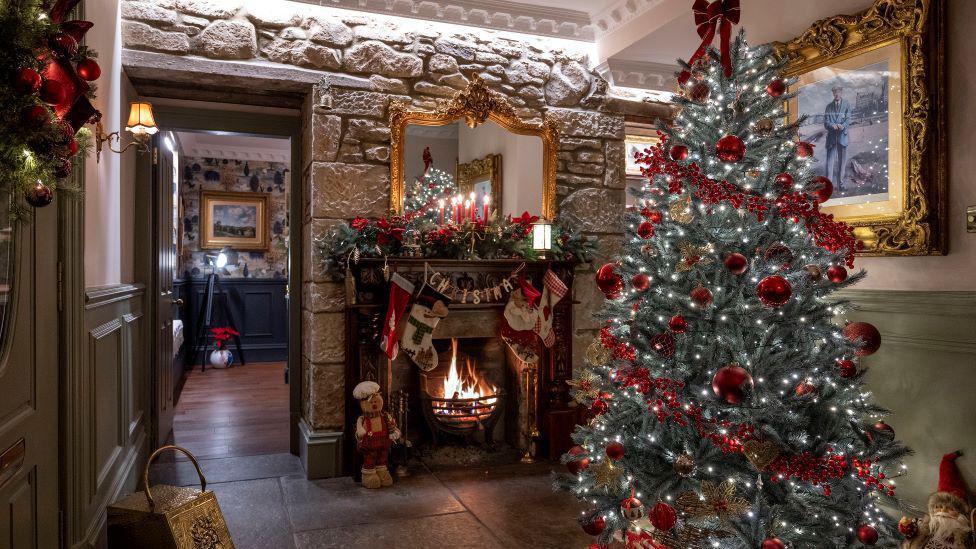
[(485, 202), (440, 208)]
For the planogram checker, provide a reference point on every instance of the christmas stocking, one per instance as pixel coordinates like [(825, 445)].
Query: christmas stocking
[(400, 290), (429, 307), (553, 290), (519, 320)]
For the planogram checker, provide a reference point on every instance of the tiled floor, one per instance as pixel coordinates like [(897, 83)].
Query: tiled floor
[(268, 504)]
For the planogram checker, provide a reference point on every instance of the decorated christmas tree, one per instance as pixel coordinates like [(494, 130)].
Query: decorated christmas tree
[(729, 408), (426, 194)]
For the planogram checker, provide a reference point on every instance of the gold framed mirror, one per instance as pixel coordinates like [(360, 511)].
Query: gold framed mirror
[(484, 124), (481, 176)]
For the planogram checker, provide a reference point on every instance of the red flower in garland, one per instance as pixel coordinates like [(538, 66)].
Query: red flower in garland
[(359, 223), (223, 334)]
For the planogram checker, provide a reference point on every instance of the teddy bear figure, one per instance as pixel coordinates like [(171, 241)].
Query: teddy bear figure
[(375, 433)]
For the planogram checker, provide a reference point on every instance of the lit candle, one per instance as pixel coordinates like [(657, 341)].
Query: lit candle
[(485, 202), (474, 206), (440, 207), (468, 209)]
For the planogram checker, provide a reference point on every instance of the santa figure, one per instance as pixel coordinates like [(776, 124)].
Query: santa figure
[(948, 524)]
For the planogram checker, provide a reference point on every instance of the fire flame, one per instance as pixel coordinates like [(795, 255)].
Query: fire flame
[(465, 383)]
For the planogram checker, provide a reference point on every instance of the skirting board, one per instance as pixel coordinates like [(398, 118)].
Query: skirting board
[(320, 452)]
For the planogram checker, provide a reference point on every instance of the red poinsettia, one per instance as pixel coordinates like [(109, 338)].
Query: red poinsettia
[(223, 334), (359, 223)]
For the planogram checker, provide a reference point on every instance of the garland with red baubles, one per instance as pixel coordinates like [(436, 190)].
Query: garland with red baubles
[(45, 96)]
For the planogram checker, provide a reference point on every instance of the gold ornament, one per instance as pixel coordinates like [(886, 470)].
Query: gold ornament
[(760, 453), (584, 387), (607, 475), (685, 465), (681, 210), (692, 255), (715, 501)]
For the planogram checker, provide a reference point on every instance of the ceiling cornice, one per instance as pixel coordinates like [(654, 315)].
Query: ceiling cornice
[(619, 14), (639, 74)]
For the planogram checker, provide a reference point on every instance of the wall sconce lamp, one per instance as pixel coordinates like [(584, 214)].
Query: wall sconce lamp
[(542, 237), (141, 125)]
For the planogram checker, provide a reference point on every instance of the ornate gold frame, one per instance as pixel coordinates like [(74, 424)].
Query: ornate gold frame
[(210, 242), (918, 26), (468, 173), (475, 104)]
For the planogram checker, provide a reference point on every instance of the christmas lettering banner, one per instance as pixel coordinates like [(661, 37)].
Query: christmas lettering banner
[(446, 285)]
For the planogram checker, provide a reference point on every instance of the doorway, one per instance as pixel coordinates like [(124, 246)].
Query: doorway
[(225, 262)]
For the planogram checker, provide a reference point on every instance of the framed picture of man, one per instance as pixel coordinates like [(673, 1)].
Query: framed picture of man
[(869, 96)]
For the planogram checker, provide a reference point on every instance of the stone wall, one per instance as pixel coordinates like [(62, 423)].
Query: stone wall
[(366, 62)]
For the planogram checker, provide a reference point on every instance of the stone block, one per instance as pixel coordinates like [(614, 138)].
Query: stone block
[(489, 58), (573, 143), (149, 12), (591, 156), (594, 210), (328, 30), (379, 58), (213, 9), (568, 83), (578, 123), (302, 53), (384, 32), (325, 136), (392, 85), (434, 89), (293, 33), (578, 180), (456, 80), (367, 130), (326, 396), (507, 47), (441, 63), (359, 103), (341, 191), (313, 268), (524, 71), (351, 151), (379, 153), (227, 40), (272, 14), (585, 168), (531, 93), (324, 297), (140, 36), (194, 21), (458, 49), (615, 176), (323, 336)]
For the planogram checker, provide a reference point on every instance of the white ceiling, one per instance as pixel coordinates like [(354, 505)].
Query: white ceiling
[(234, 146)]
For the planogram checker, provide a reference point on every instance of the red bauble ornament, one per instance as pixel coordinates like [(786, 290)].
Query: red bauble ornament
[(35, 116), (884, 430), (821, 188), (577, 465), (776, 88), (865, 335), (632, 509), (837, 274), (847, 368), (26, 81), (599, 407), (805, 388), (641, 282), (654, 216), (72, 147), (52, 92), (736, 263), (663, 516), (784, 181), (645, 229), (773, 543), (813, 272), (867, 534), (700, 92), (88, 69), (701, 296), (730, 148), (731, 383), (609, 282), (64, 44), (595, 526), (780, 255), (908, 527), (678, 324), (663, 344), (615, 451), (63, 169), (774, 291), (39, 195), (679, 152), (804, 149)]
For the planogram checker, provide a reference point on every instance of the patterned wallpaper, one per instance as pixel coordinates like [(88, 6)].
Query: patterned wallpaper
[(221, 174)]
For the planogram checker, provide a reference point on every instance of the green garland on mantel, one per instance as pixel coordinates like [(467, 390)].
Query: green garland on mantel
[(416, 236), (44, 98)]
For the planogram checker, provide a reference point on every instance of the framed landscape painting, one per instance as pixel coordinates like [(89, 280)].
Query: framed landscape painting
[(634, 144), (869, 93), (238, 220)]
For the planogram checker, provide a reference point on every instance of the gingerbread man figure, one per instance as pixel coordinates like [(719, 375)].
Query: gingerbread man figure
[(375, 433)]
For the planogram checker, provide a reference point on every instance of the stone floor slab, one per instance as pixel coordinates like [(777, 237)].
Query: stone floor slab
[(255, 513), (451, 530), (182, 473)]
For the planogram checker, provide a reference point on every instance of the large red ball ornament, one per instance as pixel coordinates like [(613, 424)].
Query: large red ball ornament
[(577, 465), (663, 516), (867, 534), (26, 81), (595, 526), (774, 291), (736, 263), (847, 368), (732, 383), (88, 69), (701, 296), (645, 229), (730, 148), (776, 88), (609, 282), (679, 152), (663, 344), (805, 388), (865, 335), (52, 92), (784, 181), (641, 282), (882, 430), (64, 44), (599, 407), (780, 255), (821, 188), (654, 216), (773, 543), (678, 324), (39, 195), (35, 116), (615, 451), (804, 149), (837, 274), (700, 92)]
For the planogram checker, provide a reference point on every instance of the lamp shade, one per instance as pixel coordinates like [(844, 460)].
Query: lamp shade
[(141, 121), (541, 236)]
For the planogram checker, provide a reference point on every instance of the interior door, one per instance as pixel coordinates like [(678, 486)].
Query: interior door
[(165, 254), (29, 380)]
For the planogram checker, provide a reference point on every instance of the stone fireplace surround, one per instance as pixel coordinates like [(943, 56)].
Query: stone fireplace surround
[(344, 68)]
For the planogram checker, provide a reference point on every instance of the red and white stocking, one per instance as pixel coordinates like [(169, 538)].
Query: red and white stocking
[(553, 289), (400, 290), (428, 308)]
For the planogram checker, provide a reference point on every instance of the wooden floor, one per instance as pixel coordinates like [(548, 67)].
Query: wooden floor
[(239, 411)]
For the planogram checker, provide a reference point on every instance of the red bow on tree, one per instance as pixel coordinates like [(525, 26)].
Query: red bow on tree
[(720, 14)]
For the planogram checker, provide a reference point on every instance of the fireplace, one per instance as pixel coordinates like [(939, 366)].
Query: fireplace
[(481, 393)]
